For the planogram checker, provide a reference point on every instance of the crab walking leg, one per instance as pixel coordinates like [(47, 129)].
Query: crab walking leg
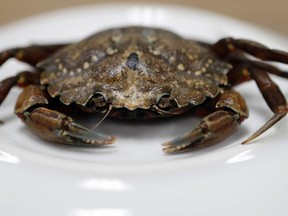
[(244, 70), (52, 125), (226, 46), (21, 79), (273, 97), (258, 71), (231, 111), (31, 54), (241, 71)]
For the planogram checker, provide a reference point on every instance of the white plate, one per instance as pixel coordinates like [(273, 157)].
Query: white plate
[(134, 177)]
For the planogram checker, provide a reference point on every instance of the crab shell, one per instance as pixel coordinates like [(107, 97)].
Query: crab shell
[(133, 67)]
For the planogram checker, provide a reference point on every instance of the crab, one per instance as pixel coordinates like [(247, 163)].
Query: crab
[(141, 73)]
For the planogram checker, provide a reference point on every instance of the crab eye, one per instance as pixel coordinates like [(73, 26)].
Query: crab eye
[(167, 102), (96, 102)]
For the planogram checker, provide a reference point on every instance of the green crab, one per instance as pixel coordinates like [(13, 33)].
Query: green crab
[(140, 73)]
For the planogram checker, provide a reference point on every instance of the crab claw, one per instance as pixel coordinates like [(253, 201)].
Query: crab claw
[(52, 125), (76, 134), (182, 143), (212, 129), (57, 127)]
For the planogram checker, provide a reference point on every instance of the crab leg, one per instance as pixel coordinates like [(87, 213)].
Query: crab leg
[(52, 125), (21, 79), (31, 54), (242, 66), (229, 48), (273, 97), (226, 46), (231, 111), (272, 94)]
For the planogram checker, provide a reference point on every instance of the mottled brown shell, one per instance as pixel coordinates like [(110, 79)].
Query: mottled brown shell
[(133, 67)]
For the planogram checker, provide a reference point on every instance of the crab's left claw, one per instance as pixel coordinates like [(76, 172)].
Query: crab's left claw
[(231, 111), (212, 129), (52, 125)]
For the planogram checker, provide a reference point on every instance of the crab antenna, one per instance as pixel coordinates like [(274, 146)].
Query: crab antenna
[(104, 117)]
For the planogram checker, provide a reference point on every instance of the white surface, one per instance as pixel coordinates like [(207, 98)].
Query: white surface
[(134, 177)]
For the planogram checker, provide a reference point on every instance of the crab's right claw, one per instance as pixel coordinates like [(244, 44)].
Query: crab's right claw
[(212, 129), (79, 135), (57, 127)]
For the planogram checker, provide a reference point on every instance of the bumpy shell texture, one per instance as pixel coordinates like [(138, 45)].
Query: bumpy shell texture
[(132, 68)]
